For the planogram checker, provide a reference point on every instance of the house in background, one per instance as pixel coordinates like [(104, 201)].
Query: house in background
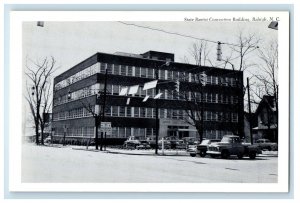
[(247, 118), (267, 119)]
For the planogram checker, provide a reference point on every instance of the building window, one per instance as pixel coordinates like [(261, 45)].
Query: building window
[(142, 133), (123, 70), (161, 113), (122, 111), (169, 113), (114, 132), (169, 74), (174, 114), (109, 68), (115, 111), (129, 71), (182, 76), (149, 112), (122, 132), (136, 132), (128, 132), (143, 72), (175, 75), (109, 89), (180, 114), (108, 111), (128, 111), (137, 71), (220, 98), (115, 89), (142, 112), (162, 74), (234, 117), (149, 132), (116, 69), (136, 112), (150, 73)]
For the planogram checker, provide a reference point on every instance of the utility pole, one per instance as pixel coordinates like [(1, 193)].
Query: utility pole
[(156, 114), (103, 107), (250, 115)]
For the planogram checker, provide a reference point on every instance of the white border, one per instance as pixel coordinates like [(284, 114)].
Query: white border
[(15, 84)]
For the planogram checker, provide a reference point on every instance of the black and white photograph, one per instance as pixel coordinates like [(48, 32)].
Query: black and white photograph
[(188, 97)]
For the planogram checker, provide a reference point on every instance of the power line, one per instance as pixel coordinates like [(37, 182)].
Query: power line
[(178, 34)]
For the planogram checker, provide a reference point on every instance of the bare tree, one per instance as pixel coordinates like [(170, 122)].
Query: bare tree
[(38, 87), (267, 80), (245, 45), (199, 52)]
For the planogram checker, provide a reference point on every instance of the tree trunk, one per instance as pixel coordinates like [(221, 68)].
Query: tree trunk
[(42, 134)]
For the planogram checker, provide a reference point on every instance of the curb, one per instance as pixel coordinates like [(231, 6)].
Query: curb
[(146, 154)]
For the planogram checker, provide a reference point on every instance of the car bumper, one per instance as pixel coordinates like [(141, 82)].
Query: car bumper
[(213, 152)]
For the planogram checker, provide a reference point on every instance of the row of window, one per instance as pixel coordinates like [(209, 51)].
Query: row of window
[(125, 132), (117, 132), (143, 112), (74, 113), (142, 72), (167, 94), (215, 134)]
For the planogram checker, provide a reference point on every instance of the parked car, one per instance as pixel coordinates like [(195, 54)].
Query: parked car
[(201, 148), (144, 144), (180, 144), (232, 145), (47, 140), (265, 144), (167, 144), (131, 143)]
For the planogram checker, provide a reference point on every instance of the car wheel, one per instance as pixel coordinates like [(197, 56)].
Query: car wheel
[(240, 155), (225, 154), (202, 153), (252, 155), (192, 155)]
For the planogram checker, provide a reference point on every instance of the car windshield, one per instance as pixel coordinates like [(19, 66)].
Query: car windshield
[(226, 139), (205, 142)]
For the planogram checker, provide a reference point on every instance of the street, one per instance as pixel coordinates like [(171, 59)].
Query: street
[(65, 165)]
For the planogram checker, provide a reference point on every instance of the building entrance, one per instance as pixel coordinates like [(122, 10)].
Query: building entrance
[(174, 131)]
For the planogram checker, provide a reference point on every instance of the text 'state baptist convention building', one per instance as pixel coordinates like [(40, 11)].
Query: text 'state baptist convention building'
[(76, 97)]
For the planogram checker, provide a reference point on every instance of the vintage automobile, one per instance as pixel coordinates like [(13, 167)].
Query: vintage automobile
[(144, 144), (201, 148), (232, 145), (265, 144), (180, 144), (166, 143), (131, 143)]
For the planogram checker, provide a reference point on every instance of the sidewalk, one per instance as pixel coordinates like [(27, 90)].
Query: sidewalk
[(135, 151), (152, 152)]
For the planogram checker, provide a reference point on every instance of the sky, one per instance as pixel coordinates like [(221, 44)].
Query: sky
[(72, 42)]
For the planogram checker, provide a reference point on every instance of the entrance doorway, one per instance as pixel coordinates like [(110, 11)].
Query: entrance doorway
[(173, 131)]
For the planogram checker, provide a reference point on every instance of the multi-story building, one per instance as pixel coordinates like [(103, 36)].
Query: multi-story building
[(75, 98)]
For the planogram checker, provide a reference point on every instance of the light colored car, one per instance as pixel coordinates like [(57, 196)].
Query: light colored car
[(202, 147), (265, 144), (143, 145)]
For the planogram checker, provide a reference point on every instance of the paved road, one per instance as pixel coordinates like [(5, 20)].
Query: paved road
[(65, 165)]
